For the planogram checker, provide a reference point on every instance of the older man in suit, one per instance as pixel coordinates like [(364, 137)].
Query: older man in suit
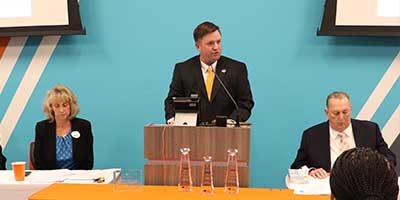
[(196, 76), (2, 160), (323, 143)]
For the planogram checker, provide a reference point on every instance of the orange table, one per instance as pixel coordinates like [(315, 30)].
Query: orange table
[(60, 191)]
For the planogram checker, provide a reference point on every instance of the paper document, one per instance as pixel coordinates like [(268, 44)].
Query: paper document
[(314, 187), (103, 176), (92, 176), (48, 176)]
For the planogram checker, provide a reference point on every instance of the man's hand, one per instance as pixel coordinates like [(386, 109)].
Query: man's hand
[(230, 123), (318, 173), (171, 121)]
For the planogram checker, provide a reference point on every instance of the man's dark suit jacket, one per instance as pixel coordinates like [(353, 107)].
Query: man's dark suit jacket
[(2, 160), (45, 145), (188, 79), (315, 151)]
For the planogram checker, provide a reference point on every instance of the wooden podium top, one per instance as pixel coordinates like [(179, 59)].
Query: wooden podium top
[(162, 142)]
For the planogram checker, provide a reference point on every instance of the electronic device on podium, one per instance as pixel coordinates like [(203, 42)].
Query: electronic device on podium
[(186, 110)]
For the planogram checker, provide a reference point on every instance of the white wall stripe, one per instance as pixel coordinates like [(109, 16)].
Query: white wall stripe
[(27, 85), (392, 127), (381, 90), (9, 58)]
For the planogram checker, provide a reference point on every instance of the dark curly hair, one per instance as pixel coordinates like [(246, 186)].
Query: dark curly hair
[(362, 173)]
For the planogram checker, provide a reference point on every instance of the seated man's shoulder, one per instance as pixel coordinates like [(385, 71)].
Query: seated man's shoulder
[(316, 129), (366, 123)]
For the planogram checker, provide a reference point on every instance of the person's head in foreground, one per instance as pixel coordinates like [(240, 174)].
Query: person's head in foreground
[(362, 173)]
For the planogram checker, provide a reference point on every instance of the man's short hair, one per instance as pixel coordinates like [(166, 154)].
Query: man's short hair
[(203, 29), (362, 173), (337, 95)]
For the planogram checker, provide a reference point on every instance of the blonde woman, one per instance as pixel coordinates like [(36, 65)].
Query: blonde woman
[(62, 141)]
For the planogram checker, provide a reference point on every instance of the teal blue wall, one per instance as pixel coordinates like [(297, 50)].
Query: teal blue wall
[(121, 70)]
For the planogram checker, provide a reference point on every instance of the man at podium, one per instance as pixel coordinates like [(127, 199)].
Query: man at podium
[(220, 82)]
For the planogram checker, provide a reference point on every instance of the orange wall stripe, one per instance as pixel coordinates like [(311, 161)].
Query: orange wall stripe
[(3, 44)]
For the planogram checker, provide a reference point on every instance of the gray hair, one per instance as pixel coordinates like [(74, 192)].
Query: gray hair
[(337, 95)]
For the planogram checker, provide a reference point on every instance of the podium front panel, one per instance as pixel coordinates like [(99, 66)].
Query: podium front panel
[(162, 144)]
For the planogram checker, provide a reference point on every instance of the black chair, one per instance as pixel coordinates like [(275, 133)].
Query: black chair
[(31, 158)]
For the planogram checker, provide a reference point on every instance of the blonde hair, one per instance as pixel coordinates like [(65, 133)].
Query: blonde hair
[(57, 93)]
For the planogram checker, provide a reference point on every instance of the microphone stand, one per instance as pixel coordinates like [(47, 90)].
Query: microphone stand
[(230, 96)]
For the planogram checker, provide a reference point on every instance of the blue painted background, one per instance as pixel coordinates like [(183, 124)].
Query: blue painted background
[(121, 70)]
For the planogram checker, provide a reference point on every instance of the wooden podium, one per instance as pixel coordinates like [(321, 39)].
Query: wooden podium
[(162, 144)]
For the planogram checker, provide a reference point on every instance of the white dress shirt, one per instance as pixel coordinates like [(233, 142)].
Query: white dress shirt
[(204, 68), (334, 141)]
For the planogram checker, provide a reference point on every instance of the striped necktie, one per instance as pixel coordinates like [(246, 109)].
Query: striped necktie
[(343, 144), (209, 82)]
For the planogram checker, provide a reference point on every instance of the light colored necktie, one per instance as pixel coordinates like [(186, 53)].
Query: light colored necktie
[(209, 82), (344, 144)]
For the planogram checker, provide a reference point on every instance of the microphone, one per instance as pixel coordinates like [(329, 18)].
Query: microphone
[(230, 97)]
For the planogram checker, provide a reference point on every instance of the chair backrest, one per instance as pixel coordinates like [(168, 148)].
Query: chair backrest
[(31, 158)]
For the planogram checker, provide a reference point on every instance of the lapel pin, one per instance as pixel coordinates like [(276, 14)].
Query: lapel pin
[(75, 134), (223, 71)]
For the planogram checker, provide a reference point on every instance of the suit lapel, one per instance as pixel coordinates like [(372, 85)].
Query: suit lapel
[(52, 144), (74, 140), (199, 78), (356, 133), (326, 147)]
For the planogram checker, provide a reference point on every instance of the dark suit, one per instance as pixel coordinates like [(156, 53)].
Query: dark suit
[(315, 151), (188, 79), (3, 160), (45, 145)]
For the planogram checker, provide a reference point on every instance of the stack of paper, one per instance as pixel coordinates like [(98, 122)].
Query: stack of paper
[(314, 187)]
